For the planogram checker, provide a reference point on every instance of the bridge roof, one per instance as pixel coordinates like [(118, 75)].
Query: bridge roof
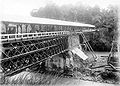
[(35, 20)]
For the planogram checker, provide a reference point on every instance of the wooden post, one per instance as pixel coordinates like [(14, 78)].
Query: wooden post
[(2, 78)]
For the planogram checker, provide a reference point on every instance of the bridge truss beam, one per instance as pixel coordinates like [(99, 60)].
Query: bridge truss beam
[(19, 55)]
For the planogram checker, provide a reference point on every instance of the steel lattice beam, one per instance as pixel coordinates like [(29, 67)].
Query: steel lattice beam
[(20, 55)]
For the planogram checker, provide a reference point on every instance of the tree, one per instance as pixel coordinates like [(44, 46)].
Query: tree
[(104, 19)]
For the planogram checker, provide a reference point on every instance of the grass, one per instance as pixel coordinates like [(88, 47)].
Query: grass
[(34, 78)]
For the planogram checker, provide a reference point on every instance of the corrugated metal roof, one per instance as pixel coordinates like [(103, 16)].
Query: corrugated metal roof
[(36, 20)]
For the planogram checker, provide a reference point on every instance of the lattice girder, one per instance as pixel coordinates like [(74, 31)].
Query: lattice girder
[(23, 54)]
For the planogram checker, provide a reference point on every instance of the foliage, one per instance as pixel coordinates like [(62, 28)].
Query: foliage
[(103, 19)]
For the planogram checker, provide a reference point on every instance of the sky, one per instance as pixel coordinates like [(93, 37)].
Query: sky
[(24, 7)]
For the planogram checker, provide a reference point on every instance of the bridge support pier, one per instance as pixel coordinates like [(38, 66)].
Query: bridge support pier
[(73, 42)]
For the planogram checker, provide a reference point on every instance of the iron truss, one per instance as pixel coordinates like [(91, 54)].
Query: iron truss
[(22, 54)]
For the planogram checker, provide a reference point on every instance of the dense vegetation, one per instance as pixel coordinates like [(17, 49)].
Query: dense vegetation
[(104, 19)]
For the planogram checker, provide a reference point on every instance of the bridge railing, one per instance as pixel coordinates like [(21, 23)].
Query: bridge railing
[(5, 37)]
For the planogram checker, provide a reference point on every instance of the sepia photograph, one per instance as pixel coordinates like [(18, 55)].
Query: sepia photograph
[(60, 42)]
